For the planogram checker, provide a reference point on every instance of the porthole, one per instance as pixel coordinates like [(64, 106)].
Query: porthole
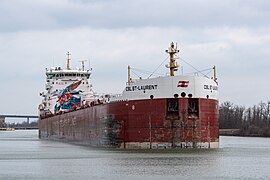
[(183, 94)]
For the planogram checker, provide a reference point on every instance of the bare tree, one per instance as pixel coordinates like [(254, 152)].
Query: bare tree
[(253, 121)]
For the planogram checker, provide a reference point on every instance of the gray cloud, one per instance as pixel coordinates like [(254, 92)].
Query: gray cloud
[(16, 15)]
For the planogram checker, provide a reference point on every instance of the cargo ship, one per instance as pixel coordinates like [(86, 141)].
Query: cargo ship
[(171, 111)]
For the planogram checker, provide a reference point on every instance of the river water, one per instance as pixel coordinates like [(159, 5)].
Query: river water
[(24, 156)]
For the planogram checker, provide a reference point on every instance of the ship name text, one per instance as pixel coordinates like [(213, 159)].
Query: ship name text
[(144, 87), (210, 87)]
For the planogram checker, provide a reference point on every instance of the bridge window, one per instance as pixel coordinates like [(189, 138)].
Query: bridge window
[(49, 76)]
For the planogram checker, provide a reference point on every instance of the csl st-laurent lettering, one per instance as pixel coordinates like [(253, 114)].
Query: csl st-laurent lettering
[(210, 87), (141, 88)]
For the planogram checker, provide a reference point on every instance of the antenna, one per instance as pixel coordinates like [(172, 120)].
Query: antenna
[(182, 70), (89, 67), (68, 60), (82, 61)]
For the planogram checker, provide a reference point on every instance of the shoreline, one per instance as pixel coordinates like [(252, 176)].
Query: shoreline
[(237, 132)]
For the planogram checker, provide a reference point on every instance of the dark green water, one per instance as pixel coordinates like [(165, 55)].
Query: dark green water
[(24, 156)]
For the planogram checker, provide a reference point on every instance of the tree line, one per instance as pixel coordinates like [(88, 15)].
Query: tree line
[(24, 124), (252, 121)]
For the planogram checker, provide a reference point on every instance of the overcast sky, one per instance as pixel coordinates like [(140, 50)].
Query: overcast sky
[(234, 35)]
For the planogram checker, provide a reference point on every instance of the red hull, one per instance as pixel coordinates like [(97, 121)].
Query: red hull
[(151, 123)]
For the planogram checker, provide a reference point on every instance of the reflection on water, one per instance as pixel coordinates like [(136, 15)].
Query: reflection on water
[(24, 156)]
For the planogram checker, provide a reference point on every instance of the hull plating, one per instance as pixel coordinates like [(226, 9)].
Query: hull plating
[(151, 123)]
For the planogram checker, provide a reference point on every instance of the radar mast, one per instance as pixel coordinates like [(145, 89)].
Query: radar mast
[(172, 64)]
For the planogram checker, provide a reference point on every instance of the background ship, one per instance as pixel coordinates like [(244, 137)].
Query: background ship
[(163, 112)]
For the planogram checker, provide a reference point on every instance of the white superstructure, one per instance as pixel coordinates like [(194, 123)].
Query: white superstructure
[(170, 87), (57, 79)]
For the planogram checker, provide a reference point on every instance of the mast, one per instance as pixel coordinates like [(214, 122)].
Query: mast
[(83, 64), (172, 65), (68, 60), (128, 75), (215, 73)]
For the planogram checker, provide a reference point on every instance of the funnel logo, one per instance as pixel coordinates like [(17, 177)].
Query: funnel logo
[(183, 84)]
